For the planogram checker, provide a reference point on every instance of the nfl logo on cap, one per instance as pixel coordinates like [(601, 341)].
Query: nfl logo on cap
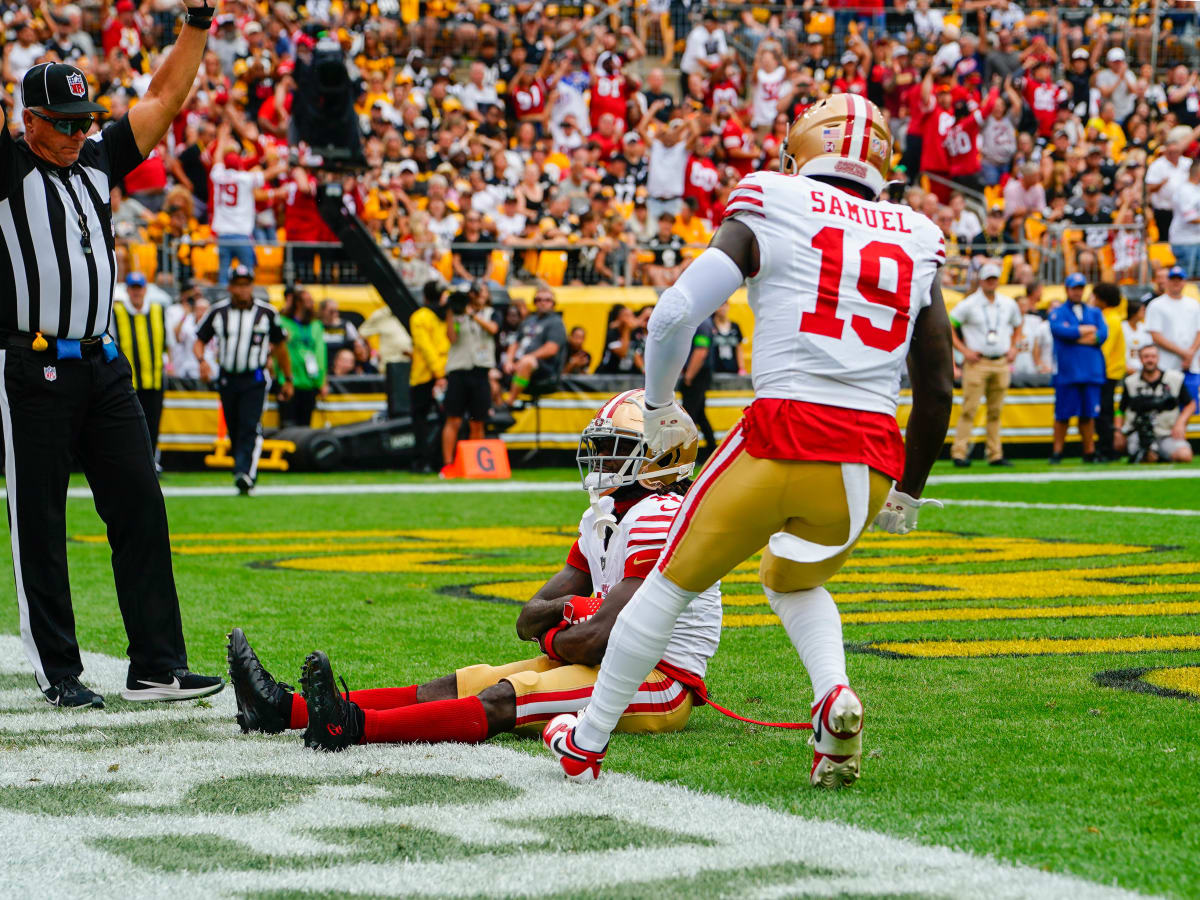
[(76, 85)]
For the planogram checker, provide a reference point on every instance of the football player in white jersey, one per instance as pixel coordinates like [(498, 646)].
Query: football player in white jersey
[(634, 499), (844, 290)]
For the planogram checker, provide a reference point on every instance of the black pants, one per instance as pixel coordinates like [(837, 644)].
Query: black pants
[(243, 397), (152, 405), (1162, 219), (87, 408), (299, 410), (692, 399), (1104, 422), (420, 398)]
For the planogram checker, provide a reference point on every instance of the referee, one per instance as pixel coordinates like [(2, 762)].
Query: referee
[(66, 390), (247, 332)]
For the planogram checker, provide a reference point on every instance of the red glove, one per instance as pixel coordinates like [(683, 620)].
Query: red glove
[(580, 609)]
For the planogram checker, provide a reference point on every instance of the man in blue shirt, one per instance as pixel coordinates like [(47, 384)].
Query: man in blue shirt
[(1078, 331)]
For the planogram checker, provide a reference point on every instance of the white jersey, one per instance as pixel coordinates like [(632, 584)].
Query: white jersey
[(632, 550), (233, 200), (840, 283), (1177, 320), (768, 87), (1031, 328)]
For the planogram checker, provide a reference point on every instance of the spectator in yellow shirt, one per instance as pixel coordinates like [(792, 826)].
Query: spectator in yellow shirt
[(1106, 124), (689, 226), (1107, 297), (430, 345)]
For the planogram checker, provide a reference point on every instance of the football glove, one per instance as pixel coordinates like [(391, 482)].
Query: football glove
[(580, 609), (665, 427), (899, 513)]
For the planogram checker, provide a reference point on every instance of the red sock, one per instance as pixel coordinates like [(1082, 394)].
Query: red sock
[(385, 698), (462, 721), (376, 698)]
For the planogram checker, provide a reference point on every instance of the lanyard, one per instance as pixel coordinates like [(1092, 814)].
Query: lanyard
[(85, 236)]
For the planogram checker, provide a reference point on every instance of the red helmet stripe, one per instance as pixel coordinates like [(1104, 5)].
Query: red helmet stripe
[(848, 128), (607, 410), (867, 126)]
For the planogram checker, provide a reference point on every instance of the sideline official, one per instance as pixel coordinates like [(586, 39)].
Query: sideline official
[(247, 332), (141, 333), (987, 332), (66, 389)]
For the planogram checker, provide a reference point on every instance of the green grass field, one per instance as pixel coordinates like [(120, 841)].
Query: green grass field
[(999, 652)]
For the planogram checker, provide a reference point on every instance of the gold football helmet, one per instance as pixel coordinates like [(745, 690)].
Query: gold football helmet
[(845, 136), (612, 449)]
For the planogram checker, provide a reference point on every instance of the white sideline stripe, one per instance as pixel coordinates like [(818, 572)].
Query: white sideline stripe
[(1079, 507), (742, 836), (531, 487)]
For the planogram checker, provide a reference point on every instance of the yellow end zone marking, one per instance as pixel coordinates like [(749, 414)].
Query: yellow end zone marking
[(403, 562), (1037, 646), (982, 613), (1185, 679)]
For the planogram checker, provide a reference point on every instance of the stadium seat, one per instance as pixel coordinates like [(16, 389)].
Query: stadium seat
[(500, 266), (1161, 254), (144, 258), (205, 262), (269, 264), (552, 267)]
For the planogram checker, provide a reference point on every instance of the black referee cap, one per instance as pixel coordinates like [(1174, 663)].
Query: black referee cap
[(59, 88), (239, 271)]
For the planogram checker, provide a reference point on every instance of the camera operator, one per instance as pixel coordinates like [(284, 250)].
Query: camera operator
[(1155, 407), (470, 327)]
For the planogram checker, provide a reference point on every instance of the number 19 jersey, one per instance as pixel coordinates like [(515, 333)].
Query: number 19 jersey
[(840, 283)]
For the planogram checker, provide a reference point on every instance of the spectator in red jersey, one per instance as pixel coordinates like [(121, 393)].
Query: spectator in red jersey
[(939, 119), (610, 89), (1043, 95), (852, 80), (702, 177), (147, 184), (529, 93), (962, 142), (123, 35), (607, 135), (775, 139), (741, 149), (725, 85), (304, 224)]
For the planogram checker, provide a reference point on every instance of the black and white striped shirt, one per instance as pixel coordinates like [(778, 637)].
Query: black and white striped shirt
[(57, 262), (244, 336)]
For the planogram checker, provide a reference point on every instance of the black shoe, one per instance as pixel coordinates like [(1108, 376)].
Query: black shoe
[(1005, 463), (1090, 458), (334, 723), (961, 463), (263, 703), (70, 693), (1055, 459), (244, 484), (178, 684)]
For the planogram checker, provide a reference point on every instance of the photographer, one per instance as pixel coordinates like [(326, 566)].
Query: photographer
[(470, 327), (1155, 407)]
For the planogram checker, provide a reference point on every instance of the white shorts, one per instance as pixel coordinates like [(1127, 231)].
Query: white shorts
[(1165, 447)]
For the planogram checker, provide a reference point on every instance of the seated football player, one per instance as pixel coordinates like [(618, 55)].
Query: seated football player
[(633, 500)]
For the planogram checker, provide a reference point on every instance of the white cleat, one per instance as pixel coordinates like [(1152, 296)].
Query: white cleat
[(577, 764), (837, 721)]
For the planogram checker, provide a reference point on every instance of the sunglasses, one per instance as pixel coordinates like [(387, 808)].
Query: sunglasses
[(67, 126)]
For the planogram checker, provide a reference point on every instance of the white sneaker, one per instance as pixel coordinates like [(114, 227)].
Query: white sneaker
[(837, 721), (577, 764)]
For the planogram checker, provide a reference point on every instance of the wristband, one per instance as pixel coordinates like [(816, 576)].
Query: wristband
[(546, 641), (200, 16)]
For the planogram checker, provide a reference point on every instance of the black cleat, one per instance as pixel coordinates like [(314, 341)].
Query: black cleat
[(178, 684), (263, 703), (334, 723), (961, 463), (244, 484), (71, 693), (1002, 463)]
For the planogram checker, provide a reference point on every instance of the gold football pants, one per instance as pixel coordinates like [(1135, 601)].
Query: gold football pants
[(739, 501), (546, 688)]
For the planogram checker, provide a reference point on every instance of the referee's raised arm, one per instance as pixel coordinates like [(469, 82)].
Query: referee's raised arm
[(169, 87)]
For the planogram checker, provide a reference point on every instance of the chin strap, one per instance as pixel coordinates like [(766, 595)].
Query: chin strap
[(604, 521)]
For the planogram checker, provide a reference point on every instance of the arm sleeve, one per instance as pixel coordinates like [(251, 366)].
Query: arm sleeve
[(705, 285), (576, 559), (117, 150), (1063, 330)]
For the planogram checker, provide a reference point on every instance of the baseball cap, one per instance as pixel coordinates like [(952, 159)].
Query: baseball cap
[(240, 271), (407, 165), (630, 137), (125, 6), (59, 88), (135, 279), (989, 270), (814, 38), (900, 50), (420, 122), (849, 57), (1080, 53), (1176, 272), (1116, 54), (1075, 280)]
